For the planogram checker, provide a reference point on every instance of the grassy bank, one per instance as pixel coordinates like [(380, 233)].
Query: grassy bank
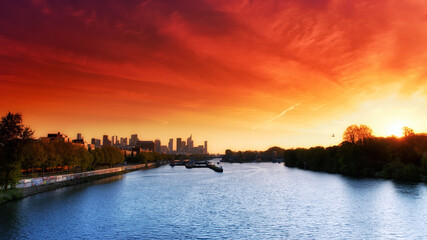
[(10, 194)]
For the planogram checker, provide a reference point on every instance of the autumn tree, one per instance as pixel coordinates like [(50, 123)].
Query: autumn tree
[(407, 131), (357, 134)]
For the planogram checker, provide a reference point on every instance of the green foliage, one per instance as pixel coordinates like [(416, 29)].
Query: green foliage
[(18, 151), (10, 194), (34, 155), (13, 136), (386, 157), (400, 171), (111, 156)]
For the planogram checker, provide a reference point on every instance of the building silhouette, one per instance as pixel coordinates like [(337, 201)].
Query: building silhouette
[(190, 143), (178, 144), (170, 145), (114, 140), (133, 139), (106, 141), (157, 145)]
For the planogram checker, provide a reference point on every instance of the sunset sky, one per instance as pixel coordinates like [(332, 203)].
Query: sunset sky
[(245, 75)]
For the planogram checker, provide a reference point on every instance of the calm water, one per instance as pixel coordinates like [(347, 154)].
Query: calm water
[(247, 201)]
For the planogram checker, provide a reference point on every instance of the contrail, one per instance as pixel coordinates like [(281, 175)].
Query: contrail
[(278, 116)]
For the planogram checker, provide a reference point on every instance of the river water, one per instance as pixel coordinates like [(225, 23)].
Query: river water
[(247, 201)]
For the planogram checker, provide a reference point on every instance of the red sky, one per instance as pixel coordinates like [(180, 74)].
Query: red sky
[(240, 74)]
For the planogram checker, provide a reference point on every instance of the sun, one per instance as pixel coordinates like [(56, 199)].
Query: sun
[(395, 130)]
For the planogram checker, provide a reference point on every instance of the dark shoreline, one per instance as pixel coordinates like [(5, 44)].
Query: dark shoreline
[(18, 193), (423, 179)]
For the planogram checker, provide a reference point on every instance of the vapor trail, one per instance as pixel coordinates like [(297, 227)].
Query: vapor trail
[(278, 116)]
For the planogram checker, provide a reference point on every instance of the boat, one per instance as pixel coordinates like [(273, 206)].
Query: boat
[(215, 167)]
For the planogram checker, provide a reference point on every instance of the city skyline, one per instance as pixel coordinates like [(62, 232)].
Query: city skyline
[(122, 142), (240, 74)]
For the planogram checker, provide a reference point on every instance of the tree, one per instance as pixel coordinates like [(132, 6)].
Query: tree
[(365, 133), (357, 134), (34, 156), (350, 134), (407, 131), (13, 136), (54, 159)]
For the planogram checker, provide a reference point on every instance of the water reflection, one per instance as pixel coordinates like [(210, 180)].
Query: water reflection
[(109, 179), (247, 201), (413, 190)]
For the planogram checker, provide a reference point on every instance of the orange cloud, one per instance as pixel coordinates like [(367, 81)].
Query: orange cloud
[(213, 68)]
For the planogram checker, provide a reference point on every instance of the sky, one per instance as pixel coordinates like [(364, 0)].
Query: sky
[(243, 75)]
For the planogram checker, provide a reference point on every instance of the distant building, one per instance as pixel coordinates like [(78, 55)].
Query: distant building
[(170, 145), (60, 137), (178, 144), (164, 149), (79, 136), (198, 150), (95, 142), (133, 139), (157, 145), (147, 146), (80, 143), (114, 140), (190, 143), (106, 141), (206, 147), (183, 146), (123, 142)]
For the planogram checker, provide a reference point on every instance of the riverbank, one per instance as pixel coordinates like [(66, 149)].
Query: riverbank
[(376, 175), (71, 179)]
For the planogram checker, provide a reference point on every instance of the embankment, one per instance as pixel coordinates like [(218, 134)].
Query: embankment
[(28, 187)]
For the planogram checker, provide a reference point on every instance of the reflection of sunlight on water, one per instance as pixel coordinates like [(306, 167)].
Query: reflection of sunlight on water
[(109, 179)]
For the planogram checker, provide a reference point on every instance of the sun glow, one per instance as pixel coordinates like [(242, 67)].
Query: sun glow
[(396, 130)]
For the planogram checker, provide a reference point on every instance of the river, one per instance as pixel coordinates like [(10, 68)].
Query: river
[(246, 201)]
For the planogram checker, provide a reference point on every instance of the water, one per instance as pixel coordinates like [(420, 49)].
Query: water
[(247, 201)]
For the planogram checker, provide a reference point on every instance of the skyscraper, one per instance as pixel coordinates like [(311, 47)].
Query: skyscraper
[(190, 143), (170, 145), (123, 142), (178, 144), (157, 145), (183, 146), (114, 140), (106, 141), (133, 139), (206, 147), (79, 136)]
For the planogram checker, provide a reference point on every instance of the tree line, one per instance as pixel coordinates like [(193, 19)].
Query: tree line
[(21, 153), (362, 154)]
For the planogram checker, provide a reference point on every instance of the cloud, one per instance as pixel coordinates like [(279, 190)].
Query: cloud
[(278, 116), (174, 59)]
